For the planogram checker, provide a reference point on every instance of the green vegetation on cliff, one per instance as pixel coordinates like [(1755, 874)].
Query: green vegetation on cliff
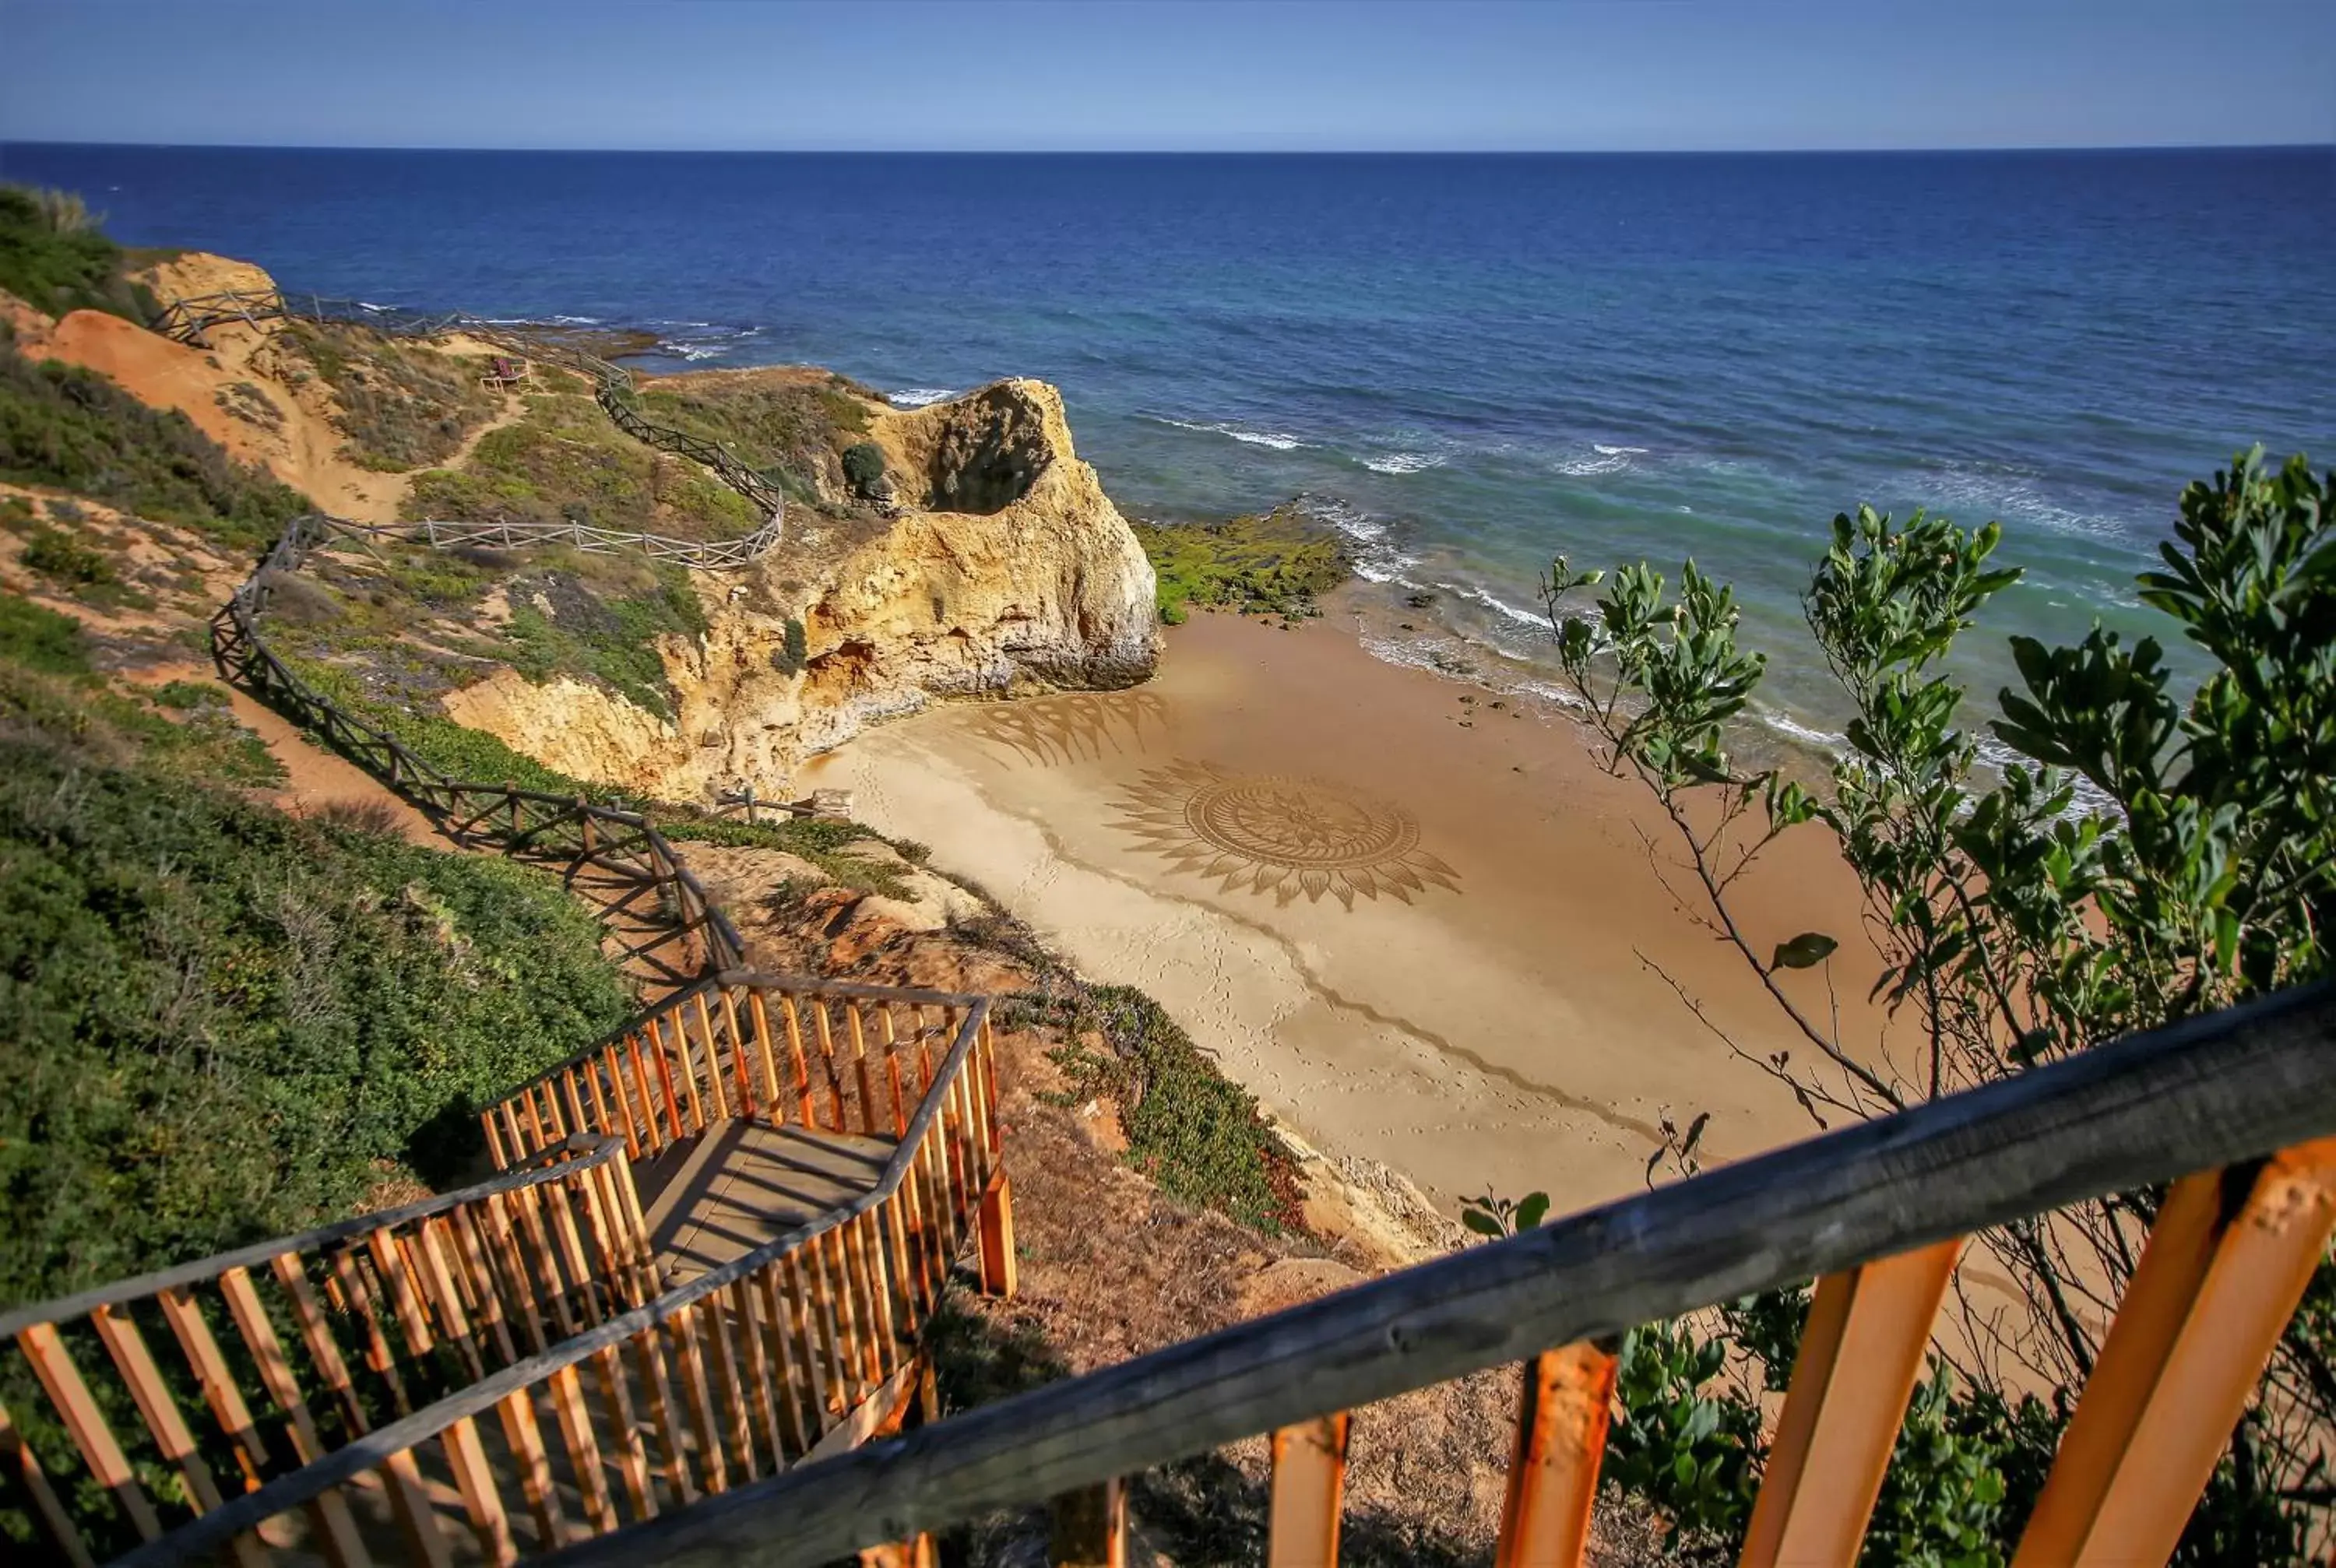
[(403, 404), (1272, 564), (226, 1022), (76, 430), (54, 258), (565, 461), (793, 427)]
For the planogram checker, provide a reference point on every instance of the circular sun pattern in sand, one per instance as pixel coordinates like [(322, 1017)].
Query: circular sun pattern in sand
[(1278, 835)]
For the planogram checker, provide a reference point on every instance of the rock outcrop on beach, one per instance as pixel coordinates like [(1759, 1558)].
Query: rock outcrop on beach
[(1005, 571)]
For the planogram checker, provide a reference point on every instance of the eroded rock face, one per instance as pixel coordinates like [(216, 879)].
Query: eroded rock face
[(1033, 583)]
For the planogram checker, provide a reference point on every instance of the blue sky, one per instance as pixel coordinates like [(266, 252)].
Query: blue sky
[(1194, 74)]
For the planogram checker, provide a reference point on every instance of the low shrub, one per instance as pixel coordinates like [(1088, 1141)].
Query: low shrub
[(222, 1019), (403, 404), (559, 626), (75, 429), (787, 658), (54, 554), (565, 461), (54, 256), (1193, 1131)]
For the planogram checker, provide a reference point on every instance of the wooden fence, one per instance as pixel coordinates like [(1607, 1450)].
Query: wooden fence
[(333, 1333), (794, 1350), (2235, 1110), (821, 1056), (529, 825), (190, 320), (800, 1345)]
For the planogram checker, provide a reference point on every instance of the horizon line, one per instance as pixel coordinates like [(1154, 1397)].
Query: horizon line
[(2329, 146)]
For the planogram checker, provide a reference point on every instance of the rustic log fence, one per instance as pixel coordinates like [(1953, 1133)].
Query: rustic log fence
[(190, 320)]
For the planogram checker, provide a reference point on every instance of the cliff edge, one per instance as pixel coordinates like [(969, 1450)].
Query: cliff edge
[(1005, 569)]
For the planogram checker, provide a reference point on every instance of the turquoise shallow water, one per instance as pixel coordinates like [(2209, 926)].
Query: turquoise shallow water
[(1469, 363)]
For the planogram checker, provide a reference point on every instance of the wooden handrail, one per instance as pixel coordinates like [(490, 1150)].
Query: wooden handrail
[(796, 1340), (302, 1342), (958, 1111), (555, 1165), (2204, 1093)]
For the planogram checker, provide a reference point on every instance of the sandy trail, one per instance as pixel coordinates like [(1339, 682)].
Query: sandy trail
[(1415, 927)]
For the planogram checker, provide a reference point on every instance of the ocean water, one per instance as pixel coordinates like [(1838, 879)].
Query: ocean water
[(1469, 363)]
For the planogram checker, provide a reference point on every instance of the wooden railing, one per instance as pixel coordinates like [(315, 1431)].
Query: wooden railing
[(528, 824), (190, 321), (799, 1346), (329, 1335), (2235, 1110), (796, 1349), (820, 1056)]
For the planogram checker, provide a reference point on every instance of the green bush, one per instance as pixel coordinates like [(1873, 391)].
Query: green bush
[(226, 1022), (54, 554), (35, 638), (53, 257), (788, 658), (75, 429), (2148, 852), (863, 465)]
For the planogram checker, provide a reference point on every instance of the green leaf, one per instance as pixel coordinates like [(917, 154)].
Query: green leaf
[(1530, 1210), (1483, 1223), (1804, 951)]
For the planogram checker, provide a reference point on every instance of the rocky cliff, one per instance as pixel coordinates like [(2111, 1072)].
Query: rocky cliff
[(1005, 570)]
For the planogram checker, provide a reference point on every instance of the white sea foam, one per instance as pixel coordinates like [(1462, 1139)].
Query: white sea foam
[(1531, 617), (1372, 557), (575, 320), (918, 396), (693, 352), (1601, 459), (1275, 439), (1403, 462), (1961, 489), (1828, 741)]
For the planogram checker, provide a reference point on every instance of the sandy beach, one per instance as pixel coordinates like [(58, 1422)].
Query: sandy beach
[(1414, 924)]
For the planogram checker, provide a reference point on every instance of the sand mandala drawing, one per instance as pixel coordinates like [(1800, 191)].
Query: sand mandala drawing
[(1081, 727), (1283, 836)]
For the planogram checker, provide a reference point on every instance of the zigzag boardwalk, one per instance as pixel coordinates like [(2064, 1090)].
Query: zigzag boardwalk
[(813, 1159)]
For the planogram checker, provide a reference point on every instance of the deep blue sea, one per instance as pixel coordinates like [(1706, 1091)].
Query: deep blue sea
[(1468, 363)]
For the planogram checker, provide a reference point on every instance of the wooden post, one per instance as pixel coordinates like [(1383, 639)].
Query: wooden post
[(1088, 1528), (2216, 1285), (1860, 1354), (91, 1435), (1553, 1474), (1310, 1477), (999, 1275)]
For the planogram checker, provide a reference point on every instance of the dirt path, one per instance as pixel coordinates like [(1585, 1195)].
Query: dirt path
[(316, 780)]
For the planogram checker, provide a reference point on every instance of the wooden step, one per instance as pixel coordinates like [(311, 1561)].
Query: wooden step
[(752, 1183)]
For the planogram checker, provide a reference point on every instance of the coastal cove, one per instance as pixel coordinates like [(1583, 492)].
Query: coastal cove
[(1465, 364), (1423, 929)]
